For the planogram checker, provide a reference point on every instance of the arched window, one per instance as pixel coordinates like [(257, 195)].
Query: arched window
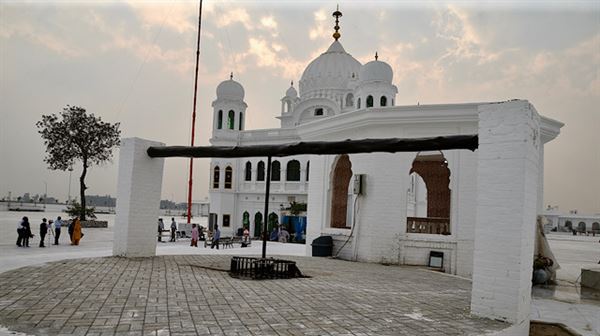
[(349, 100), (596, 227), (292, 172), (383, 101), (257, 224), (342, 173), (246, 220), (228, 177), (307, 169), (275, 171), (429, 211), (248, 172), (260, 171), (581, 227), (230, 119), (358, 103), (220, 119), (216, 175), (241, 126), (369, 101)]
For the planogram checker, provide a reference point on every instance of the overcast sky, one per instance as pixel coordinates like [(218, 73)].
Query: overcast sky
[(133, 62)]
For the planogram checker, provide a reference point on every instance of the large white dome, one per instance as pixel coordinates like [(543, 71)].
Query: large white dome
[(230, 89), (376, 71), (331, 70)]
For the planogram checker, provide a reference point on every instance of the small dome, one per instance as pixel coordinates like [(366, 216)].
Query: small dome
[(230, 89), (291, 92), (376, 71)]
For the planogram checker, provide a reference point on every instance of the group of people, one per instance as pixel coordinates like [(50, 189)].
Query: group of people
[(161, 228), (279, 234), (24, 232)]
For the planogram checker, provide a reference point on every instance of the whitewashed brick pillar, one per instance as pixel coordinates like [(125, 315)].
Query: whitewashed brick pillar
[(138, 199), (507, 188)]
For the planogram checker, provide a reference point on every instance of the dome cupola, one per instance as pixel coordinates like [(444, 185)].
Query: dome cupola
[(291, 92), (376, 71), (230, 89)]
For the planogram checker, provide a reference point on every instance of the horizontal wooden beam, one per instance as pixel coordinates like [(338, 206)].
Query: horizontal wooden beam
[(390, 145)]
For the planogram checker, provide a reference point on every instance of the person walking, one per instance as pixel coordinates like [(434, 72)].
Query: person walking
[(70, 229), (161, 228), (20, 235), (50, 231), (26, 232), (173, 229), (57, 225), (76, 235), (194, 235), (216, 237), (43, 231)]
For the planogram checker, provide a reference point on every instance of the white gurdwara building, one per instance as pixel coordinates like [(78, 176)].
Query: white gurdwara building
[(391, 208)]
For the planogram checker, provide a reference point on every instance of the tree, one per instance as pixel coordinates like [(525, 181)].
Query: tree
[(76, 135)]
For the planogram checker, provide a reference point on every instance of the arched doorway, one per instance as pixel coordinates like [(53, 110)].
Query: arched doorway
[(257, 224), (273, 221), (342, 173), (569, 225), (429, 195), (581, 227), (246, 220), (596, 227)]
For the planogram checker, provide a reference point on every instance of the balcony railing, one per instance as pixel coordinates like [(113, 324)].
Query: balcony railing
[(429, 225)]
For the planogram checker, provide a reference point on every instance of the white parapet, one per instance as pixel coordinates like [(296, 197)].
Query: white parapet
[(507, 187), (138, 199)]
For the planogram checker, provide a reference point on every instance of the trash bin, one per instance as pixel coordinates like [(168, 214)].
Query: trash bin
[(322, 246)]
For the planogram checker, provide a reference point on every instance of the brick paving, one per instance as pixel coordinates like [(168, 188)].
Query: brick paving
[(188, 295)]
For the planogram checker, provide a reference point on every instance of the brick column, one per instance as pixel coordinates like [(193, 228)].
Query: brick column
[(138, 199), (507, 191)]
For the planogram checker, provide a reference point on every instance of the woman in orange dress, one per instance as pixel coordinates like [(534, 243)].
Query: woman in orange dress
[(76, 231)]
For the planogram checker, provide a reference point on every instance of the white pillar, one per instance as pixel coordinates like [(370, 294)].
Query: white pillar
[(138, 199), (507, 187)]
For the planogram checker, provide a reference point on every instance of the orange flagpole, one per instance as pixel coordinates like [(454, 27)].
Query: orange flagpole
[(189, 201)]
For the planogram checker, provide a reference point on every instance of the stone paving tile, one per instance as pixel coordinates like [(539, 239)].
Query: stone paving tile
[(187, 295)]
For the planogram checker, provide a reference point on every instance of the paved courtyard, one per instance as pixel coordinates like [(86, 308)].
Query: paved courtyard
[(193, 295)]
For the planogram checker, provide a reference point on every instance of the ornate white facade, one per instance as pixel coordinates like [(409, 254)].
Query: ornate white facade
[(411, 204)]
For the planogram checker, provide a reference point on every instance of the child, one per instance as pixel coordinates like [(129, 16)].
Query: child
[(194, 235)]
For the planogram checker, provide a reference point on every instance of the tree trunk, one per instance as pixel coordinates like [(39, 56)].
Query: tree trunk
[(82, 191)]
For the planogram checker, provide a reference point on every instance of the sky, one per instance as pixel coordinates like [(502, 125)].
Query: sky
[(133, 62)]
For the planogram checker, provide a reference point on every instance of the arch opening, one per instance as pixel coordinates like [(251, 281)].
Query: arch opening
[(216, 175), (292, 171), (340, 195), (248, 171), (428, 196)]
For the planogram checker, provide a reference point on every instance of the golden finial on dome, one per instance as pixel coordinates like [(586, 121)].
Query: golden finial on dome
[(292, 83), (231, 76), (376, 57), (337, 14)]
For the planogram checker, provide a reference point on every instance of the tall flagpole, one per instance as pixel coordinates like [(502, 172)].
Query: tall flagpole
[(189, 203)]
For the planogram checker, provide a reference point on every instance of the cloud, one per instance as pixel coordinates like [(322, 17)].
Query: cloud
[(453, 25), (26, 29), (268, 22), (320, 29), (177, 16), (233, 16), (274, 56)]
